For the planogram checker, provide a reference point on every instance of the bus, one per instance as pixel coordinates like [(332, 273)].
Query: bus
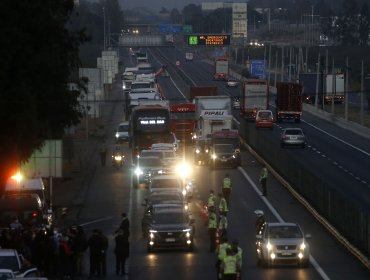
[(149, 124), (182, 121)]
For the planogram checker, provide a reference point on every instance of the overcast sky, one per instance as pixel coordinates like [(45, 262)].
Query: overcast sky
[(156, 5)]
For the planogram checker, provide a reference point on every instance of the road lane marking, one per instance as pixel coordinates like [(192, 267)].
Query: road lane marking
[(96, 221), (317, 267)]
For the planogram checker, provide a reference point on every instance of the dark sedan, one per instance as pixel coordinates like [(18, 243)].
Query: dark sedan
[(170, 228)]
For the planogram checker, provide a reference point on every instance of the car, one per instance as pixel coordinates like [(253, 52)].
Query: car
[(236, 103), (281, 243), (293, 136), (264, 119), (224, 155), (10, 259), (167, 182), (232, 83), (122, 132), (144, 167), (152, 209), (171, 228), (6, 274), (168, 157)]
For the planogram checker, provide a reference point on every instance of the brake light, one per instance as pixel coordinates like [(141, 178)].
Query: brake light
[(34, 215)]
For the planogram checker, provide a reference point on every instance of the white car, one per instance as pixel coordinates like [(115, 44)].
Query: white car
[(232, 83), (282, 243), (122, 132)]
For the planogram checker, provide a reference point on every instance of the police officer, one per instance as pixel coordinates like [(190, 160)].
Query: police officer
[(238, 252), (263, 180), (212, 228), (229, 266), (226, 188), (211, 202), (221, 254), (222, 205), (222, 225)]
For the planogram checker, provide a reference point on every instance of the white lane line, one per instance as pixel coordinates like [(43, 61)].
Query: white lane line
[(336, 138), (317, 267), (96, 221)]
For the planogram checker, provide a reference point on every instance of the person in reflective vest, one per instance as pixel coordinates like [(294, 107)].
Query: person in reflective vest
[(229, 266), (238, 252), (211, 201), (226, 188), (212, 228), (222, 225), (263, 180), (221, 254), (222, 205)]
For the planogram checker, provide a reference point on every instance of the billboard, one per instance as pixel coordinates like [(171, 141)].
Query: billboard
[(170, 28), (258, 68), (208, 40), (239, 20)]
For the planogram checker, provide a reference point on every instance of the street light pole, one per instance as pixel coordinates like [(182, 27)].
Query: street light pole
[(104, 27)]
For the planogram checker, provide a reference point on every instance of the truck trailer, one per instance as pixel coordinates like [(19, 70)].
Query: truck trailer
[(254, 97), (288, 101)]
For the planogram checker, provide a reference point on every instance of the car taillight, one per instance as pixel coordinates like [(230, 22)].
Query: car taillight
[(34, 215)]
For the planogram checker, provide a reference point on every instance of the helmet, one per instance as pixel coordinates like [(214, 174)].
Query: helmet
[(259, 213)]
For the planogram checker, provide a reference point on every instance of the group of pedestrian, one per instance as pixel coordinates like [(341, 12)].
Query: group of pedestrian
[(229, 260)]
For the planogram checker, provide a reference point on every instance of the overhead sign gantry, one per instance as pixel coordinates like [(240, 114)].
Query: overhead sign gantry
[(208, 40)]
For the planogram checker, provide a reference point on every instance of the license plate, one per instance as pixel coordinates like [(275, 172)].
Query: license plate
[(286, 254), (223, 159), (170, 239), (293, 137)]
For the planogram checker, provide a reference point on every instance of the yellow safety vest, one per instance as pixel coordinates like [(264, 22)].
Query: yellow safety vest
[(211, 200), (239, 256), (227, 183), (230, 265), (223, 205), (263, 173), (222, 223), (222, 250), (212, 220)]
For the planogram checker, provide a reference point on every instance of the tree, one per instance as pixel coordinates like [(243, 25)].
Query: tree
[(39, 54)]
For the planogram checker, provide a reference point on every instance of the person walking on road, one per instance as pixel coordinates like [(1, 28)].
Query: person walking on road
[(222, 205), (229, 266), (226, 188), (122, 251), (103, 153), (96, 246), (103, 255), (222, 225), (211, 201), (212, 228), (263, 180)]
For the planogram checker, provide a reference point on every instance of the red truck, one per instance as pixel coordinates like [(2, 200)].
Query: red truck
[(288, 101), (182, 121)]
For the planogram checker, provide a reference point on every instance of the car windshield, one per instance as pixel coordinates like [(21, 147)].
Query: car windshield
[(150, 162), (123, 128), (164, 197), (165, 183), (140, 85), (224, 149), (277, 232), (9, 262), (293, 132), (169, 218), (152, 154), (264, 115)]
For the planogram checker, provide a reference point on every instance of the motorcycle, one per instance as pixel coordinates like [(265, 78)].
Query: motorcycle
[(260, 221), (118, 160)]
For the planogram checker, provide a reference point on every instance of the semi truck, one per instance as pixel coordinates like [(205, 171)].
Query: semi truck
[(288, 101), (213, 113), (326, 88), (202, 91), (254, 97), (221, 69)]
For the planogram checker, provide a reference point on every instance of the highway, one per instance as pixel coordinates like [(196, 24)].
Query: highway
[(110, 193)]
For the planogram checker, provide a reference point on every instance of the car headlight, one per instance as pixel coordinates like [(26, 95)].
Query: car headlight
[(117, 135), (302, 246), (214, 156), (186, 207), (197, 151), (119, 158), (206, 150), (138, 171), (183, 169), (269, 246), (234, 156), (183, 192)]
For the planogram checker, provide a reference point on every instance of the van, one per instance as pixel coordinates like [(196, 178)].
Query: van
[(27, 208), (28, 186)]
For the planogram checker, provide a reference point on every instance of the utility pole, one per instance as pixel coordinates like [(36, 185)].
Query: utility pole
[(282, 64), (334, 87), (362, 95), (269, 67), (276, 60), (104, 27), (346, 91), (317, 81)]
